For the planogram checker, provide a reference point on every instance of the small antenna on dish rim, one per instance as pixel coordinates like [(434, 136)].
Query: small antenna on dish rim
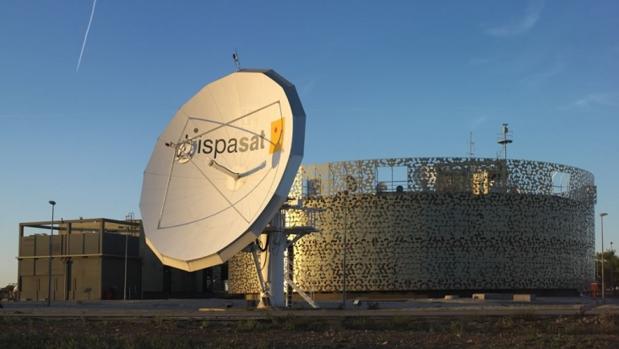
[(236, 60)]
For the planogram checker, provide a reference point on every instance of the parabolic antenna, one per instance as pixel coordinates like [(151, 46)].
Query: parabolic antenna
[(222, 169)]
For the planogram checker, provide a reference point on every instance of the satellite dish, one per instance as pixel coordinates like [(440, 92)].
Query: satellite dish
[(222, 169)]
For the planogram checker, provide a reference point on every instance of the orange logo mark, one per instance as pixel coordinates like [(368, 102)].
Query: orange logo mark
[(277, 136)]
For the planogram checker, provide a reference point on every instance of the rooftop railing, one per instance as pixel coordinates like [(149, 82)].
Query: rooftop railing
[(479, 176)]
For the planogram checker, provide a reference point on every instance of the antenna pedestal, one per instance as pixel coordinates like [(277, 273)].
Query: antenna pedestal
[(272, 293), (273, 267)]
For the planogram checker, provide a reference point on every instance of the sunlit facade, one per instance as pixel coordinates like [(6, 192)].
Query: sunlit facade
[(439, 224)]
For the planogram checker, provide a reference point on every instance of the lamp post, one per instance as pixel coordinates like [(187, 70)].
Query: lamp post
[(602, 215), (612, 271), (49, 278), (344, 252), (129, 218)]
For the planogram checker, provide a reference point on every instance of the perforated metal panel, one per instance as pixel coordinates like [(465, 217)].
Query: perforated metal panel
[(441, 230)]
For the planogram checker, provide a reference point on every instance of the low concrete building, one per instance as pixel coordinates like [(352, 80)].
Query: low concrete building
[(88, 263), (87, 259)]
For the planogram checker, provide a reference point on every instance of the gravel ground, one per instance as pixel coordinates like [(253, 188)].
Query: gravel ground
[(213, 323), (529, 331)]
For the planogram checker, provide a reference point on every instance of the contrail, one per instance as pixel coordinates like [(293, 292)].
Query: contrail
[(92, 15)]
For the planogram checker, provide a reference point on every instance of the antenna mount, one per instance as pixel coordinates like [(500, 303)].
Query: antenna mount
[(236, 60)]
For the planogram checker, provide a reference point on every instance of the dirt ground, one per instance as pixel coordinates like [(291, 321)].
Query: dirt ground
[(587, 331)]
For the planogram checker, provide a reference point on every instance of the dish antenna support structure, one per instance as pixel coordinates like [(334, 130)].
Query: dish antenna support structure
[(273, 266), (220, 173)]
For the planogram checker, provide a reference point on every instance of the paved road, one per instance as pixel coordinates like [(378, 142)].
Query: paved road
[(220, 309)]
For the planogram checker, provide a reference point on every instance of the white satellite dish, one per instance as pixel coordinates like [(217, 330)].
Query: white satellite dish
[(222, 169)]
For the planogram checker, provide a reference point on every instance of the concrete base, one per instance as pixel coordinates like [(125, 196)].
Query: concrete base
[(526, 298), (491, 296)]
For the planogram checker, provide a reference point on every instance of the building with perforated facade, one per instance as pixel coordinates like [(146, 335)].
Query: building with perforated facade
[(439, 225)]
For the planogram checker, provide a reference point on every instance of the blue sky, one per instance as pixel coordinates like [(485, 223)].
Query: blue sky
[(377, 79)]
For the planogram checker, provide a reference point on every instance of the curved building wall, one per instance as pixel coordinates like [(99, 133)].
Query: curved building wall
[(440, 224)]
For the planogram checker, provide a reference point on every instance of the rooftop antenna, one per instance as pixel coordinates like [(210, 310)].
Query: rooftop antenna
[(471, 145), (236, 60), (505, 139)]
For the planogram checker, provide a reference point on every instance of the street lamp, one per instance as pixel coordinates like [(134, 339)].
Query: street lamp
[(345, 249), (602, 215), (129, 218), (49, 278), (612, 272)]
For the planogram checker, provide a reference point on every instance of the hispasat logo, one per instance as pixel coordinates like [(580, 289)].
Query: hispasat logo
[(218, 146), (231, 145), (185, 150)]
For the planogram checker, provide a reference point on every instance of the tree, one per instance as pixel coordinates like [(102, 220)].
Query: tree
[(611, 270), (7, 292)]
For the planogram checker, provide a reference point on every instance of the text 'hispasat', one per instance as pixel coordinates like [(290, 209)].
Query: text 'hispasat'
[(230, 145)]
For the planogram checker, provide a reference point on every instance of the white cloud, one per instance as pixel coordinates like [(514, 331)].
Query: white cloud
[(520, 25), (607, 99), (307, 87), (478, 121), (92, 14), (479, 61), (11, 116), (541, 76), (28, 116)]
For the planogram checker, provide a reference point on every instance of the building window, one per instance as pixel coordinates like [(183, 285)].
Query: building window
[(311, 187), (391, 178), (560, 182), (480, 182)]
